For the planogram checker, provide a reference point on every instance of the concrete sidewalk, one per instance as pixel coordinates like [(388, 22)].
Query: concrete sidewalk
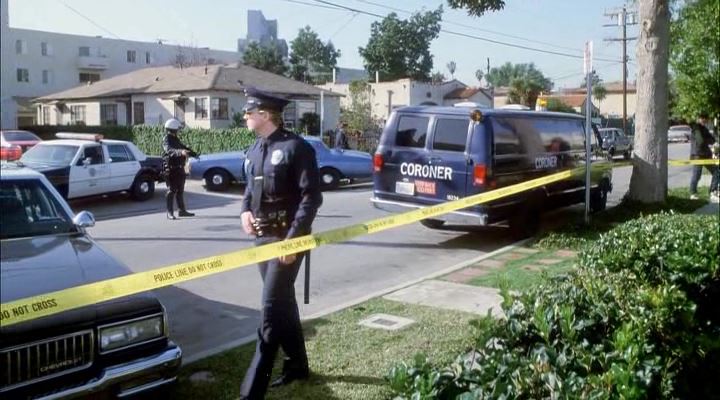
[(455, 290)]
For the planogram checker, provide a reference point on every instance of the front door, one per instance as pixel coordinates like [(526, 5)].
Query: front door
[(90, 175)]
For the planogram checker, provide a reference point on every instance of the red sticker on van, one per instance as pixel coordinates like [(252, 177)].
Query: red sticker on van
[(425, 187)]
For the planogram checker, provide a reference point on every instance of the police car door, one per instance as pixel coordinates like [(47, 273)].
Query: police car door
[(123, 167), (447, 173), (90, 174)]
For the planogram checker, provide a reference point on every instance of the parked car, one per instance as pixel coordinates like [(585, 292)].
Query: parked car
[(116, 348), (679, 133), (219, 170), (81, 165), (14, 143), (616, 142)]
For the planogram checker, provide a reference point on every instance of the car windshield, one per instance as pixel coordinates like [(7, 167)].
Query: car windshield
[(606, 133), (28, 208), (50, 154), (13, 136)]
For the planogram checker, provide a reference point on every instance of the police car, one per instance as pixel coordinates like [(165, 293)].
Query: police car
[(430, 154), (81, 165)]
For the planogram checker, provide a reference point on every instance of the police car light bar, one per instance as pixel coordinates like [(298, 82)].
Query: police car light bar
[(95, 137)]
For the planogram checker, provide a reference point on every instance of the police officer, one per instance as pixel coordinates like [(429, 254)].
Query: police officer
[(281, 200), (174, 155)]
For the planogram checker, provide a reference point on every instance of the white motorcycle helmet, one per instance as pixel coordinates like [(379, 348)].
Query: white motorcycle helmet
[(173, 124)]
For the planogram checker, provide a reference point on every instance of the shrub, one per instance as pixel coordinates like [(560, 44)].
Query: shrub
[(635, 320), (149, 139)]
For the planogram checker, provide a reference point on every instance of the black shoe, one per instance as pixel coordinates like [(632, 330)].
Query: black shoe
[(170, 215), (184, 213), (288, 377)]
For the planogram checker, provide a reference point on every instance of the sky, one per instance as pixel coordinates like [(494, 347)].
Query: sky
[(561, 26)]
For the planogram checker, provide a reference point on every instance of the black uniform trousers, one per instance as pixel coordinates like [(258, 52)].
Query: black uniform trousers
[(176, 188), (279, 326)]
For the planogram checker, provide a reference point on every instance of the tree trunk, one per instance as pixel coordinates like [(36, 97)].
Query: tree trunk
[(648, 183)]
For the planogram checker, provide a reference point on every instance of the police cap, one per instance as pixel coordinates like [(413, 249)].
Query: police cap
[(257, 99)]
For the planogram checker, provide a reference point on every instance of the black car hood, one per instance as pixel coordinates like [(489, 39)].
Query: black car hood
[(34, 266)]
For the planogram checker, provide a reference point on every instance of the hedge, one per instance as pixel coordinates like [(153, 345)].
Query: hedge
[(149, 137), (636, 320)]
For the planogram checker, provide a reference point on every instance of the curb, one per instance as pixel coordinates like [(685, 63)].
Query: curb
[(250, 338)]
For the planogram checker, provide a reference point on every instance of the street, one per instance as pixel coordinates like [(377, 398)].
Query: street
[(211, 314)]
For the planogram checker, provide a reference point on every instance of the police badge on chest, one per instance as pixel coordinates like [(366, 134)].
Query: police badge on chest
[(277, 157)]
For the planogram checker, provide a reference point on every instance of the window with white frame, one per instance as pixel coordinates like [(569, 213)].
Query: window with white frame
[(84, 51), (21, 47), (131, 56), (46, 77), (148, 57), (219, 108), (201, 108), (77, 115), (23, 75), (108, 114), (44, 51)]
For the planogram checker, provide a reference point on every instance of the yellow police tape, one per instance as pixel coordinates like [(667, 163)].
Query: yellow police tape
[(34, 307)]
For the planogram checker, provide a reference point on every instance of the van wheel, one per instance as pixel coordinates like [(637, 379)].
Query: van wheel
[(432, 223), (329, 178), (525, 223), (598, 200), (143, 188), (217, 180)]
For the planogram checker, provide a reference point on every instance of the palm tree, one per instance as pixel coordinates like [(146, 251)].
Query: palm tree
[(451, 66)]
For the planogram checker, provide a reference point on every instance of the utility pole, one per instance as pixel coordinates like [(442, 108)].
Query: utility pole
[(624, 18)]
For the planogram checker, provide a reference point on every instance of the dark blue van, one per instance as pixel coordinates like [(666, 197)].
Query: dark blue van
[(430, 154)]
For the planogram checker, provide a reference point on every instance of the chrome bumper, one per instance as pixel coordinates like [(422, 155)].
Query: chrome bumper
[(454, 217), (165, 365)]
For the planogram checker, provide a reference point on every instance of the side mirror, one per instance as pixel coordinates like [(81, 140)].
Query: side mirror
[(84, 219)]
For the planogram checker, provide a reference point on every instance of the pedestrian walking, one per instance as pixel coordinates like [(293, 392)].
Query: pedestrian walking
[(701, 142), (175, 153), (281, 200), (341, 141)]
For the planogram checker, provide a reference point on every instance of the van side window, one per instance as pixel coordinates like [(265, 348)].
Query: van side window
[(450, 134), (506, 140), (412, 131)]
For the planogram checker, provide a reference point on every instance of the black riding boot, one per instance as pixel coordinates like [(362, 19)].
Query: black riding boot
[(169, 199), (181, 205)]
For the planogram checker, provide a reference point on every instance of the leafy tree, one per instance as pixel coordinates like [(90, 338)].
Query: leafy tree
[(437, 77), (479, 75), (265, 58), (401, 48), (311, 60), (648, 182), (695, 59), (526, 82), (452, 67), (358, 116), (599, 91)]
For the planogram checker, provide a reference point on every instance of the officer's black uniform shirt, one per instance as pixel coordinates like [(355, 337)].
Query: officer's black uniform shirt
[(290, 180), (172, 151)]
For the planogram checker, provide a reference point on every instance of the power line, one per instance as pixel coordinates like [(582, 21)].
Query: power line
[(312, 4), (466, 35), (88, 19)]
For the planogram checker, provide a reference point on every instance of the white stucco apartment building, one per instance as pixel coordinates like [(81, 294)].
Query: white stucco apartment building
[(37, 63)]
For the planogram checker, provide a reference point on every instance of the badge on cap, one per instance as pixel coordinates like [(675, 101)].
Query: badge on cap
[(277, 157)]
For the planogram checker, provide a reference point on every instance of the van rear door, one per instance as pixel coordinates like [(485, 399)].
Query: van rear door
[(424, 160)]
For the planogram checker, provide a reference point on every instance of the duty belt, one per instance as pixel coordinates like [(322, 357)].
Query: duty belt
[(271, 224)]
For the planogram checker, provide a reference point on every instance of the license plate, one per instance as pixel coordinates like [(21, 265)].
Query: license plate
[(407, 188)]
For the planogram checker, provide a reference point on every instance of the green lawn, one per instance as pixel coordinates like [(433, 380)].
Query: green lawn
[(515, 276), (348, 361)]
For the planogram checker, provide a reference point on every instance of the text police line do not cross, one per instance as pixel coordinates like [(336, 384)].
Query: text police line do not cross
[(34, 307)]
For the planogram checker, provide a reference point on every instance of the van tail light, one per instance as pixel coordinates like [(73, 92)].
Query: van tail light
[(378, 162), (479, 174)]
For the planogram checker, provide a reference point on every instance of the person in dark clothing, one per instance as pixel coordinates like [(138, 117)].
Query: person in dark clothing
[(175, 153), (281, 200), (701, 142), (341, 141)]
